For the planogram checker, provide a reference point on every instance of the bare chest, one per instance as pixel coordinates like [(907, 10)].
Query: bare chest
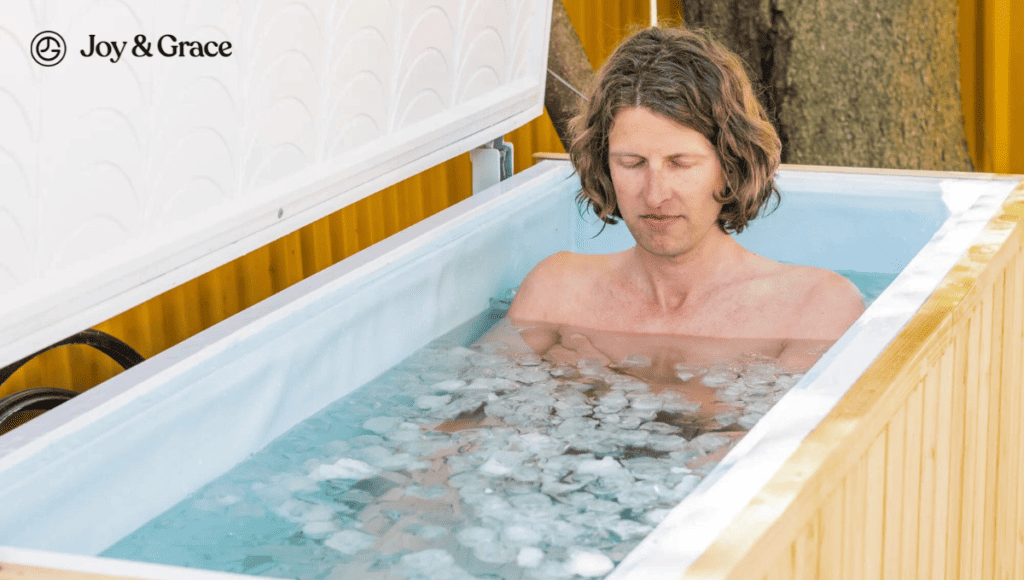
[(743, 311)]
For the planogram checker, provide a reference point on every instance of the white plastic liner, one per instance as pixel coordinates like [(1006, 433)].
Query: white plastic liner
[(87, 473)]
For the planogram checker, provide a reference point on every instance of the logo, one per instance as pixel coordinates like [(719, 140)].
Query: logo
[(48, 48)]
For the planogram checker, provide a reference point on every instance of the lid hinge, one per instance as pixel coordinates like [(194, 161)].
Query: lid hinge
[(492, 163)]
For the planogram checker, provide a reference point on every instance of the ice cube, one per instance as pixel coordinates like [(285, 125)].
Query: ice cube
[(605, 466), (521, 535), (344, 468), (588, 563), (381, 424), (529, 557), (720, 377), (432, 401), (317, 530), (350, 541)]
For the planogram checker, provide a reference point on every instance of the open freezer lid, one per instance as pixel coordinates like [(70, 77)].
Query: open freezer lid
[(127, 169)]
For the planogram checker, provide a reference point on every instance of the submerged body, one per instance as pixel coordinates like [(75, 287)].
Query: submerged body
[(685, 276)]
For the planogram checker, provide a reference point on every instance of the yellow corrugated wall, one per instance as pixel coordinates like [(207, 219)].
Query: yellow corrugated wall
[(991, 52)]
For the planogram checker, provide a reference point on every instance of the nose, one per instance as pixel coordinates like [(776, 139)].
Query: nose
[(658, 188)]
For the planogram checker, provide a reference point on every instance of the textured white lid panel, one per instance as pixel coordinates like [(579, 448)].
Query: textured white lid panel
[(125, 175)]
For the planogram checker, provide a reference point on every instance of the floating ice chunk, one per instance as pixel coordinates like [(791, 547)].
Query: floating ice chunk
[(521, 535), (524, 375), (350, 541), (449, 385), (401, 461), (628, 529), (494, 552), (685, 372), (381, 424), (482, 359), (529, 557), (659, 427), (529, 359), (317, 530), (710, 442), (432, 564), (344, 468), (720, 377), (728, 417), (475, 536), (588, 563), (605, 466), (495, 468), (730, 393), (688, 484), (432, 401)]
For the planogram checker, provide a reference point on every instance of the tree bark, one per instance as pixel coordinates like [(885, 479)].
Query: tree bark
[(568, 60), (868, 83)]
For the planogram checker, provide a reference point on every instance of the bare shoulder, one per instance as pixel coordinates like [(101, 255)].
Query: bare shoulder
[(552, 286), (829, 303)]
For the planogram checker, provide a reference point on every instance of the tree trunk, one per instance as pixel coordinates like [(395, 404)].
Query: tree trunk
[(868, 83), (568, 60)]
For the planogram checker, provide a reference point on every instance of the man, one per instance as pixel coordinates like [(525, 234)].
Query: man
[(673, 142)]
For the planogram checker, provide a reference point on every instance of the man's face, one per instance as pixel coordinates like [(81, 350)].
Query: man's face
[(665, 176)]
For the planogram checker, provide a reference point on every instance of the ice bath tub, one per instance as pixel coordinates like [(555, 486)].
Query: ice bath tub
[(84, 475)]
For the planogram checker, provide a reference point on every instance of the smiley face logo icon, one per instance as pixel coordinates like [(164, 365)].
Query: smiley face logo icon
[(48, 48)]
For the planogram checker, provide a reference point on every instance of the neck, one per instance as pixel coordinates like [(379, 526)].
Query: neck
[(672, 282)]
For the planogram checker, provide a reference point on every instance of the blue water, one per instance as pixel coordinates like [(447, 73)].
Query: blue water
[(576, 467)]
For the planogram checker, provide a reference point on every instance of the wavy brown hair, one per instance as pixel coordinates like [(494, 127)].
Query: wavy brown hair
[(686, 76)]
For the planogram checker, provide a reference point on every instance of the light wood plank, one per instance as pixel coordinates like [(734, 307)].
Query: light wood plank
[(912, 484), (956, 452), (874, 516), (895, 456), (805, 551), (975, 455), (1015, 380), (991, 336), (930, 435), (855, 506), (830, 547)]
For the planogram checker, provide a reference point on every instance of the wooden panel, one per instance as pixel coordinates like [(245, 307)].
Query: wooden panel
[(874, 537), (912, 497), (896, 444), (939, 395)]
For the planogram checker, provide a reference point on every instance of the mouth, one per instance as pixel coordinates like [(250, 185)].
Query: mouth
[(659, 221)]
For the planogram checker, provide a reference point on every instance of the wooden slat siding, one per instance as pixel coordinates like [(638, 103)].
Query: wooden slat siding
[(930, 430), (874, 522), (1016, 382), (830, 555), (941, 348), (911, 485), (856, 520), (992, 325), (896, 443), (943, 459), (1009, 466), (972, 425)]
